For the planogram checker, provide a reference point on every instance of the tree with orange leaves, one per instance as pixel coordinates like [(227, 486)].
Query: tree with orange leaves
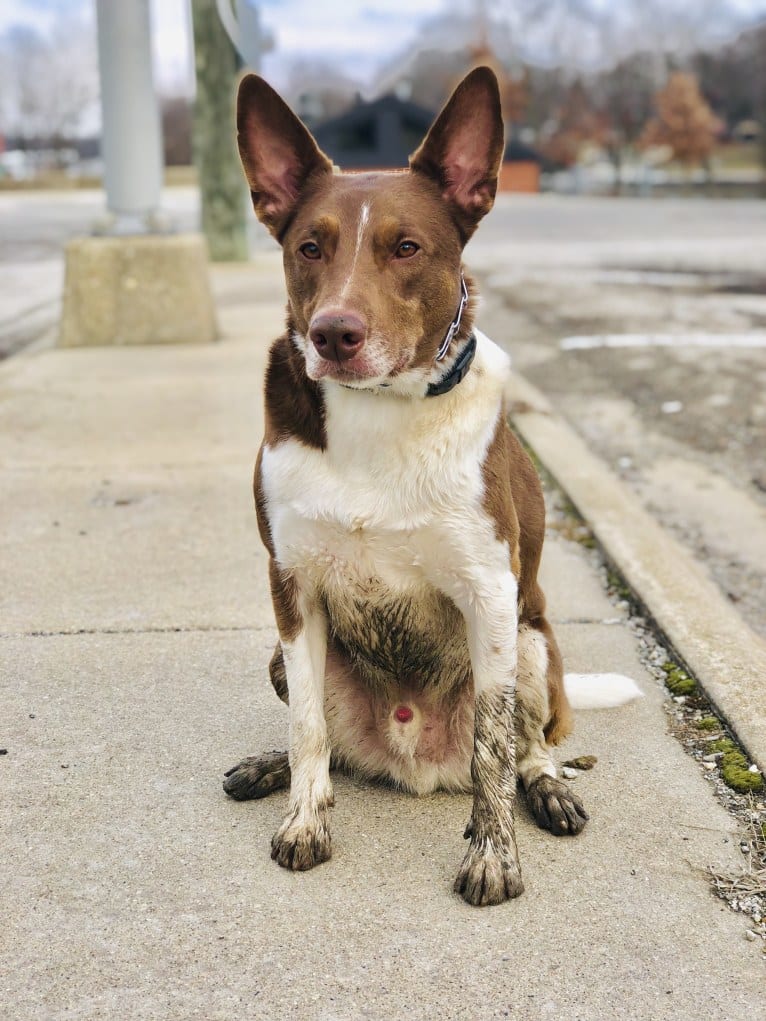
[(684, 121)]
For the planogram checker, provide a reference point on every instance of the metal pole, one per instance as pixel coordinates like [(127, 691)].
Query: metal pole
[(131, 133)]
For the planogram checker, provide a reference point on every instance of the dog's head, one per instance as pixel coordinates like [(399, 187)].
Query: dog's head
[(373, 260)]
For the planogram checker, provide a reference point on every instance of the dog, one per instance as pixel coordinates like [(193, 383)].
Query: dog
[(403, 520)]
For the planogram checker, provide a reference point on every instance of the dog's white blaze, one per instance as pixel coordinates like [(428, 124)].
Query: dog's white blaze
[(364, 219)]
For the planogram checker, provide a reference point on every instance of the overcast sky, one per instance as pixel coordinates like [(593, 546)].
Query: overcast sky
[(358, 36)]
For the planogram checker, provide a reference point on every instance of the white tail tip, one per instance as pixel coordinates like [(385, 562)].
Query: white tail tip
[(600, 691)]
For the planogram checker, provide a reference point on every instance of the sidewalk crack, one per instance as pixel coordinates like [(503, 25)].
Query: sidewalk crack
[(167, 630)]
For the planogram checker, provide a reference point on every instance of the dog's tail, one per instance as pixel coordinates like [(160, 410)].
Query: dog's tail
[(600, 691)]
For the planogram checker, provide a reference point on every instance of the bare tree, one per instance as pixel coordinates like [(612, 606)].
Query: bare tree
[(573, 123), (51, 80), (624, 96)]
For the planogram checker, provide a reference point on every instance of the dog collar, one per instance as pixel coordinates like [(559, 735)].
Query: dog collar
[(454, 326), (458, 371)]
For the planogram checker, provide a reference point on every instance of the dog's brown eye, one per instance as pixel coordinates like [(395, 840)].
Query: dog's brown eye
[(406, 250), (310, 250)]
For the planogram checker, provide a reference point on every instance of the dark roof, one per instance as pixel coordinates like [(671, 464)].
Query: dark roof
[(518, 152), (385, 132), (382, 133)]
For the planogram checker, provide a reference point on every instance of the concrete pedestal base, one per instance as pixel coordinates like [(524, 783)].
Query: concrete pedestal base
[(151, 289)]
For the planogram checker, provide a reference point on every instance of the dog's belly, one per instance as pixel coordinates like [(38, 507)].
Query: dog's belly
[(420, 740)]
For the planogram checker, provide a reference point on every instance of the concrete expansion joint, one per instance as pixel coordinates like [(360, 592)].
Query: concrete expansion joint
[(178, 629), (607, 621)]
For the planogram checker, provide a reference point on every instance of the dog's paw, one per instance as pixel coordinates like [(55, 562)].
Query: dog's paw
[(257, 776), (556, 807), (299, 845), (488, 876)]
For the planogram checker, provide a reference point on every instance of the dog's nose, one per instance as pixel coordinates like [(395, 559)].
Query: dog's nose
[(337, 337)]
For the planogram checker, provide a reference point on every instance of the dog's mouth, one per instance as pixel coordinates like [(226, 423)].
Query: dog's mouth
[(362, 371)]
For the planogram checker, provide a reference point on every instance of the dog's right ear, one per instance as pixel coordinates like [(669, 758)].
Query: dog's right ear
[(278, 153)]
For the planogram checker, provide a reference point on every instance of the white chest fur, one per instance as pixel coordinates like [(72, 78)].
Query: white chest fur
[(394, 503)]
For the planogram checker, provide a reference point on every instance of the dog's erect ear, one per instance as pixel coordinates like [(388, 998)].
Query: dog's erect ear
[(463, 149), (277, 151)]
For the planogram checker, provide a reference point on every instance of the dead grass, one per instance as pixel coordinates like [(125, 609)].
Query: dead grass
[(749, 880)]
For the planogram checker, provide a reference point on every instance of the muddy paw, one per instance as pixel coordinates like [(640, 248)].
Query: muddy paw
[(257, 776), (298, 846), (488, 876), (556, 807)]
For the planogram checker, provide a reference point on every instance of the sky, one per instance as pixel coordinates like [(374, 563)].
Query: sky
[(360, 36)]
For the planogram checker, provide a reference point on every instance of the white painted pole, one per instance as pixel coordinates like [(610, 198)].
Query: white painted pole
[(131, 132)]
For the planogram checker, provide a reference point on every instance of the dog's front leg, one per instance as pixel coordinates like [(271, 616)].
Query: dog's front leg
[(490, 872), (303, 839)]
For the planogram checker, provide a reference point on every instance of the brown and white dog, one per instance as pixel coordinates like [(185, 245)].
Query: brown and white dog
[(403, 520)]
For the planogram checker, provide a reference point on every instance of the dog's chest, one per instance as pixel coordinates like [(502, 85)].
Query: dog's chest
[(383, 527), (388, 524), (374, 552)]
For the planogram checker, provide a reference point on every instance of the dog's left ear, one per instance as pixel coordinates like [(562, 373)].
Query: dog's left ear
[(464, 147)]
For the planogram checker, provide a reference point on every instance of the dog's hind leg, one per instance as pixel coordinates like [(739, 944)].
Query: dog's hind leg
[(542, 713), (278, 674), (259, 775)]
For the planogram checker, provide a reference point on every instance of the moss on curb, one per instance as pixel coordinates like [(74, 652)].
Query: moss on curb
[(707, 723), (723, 744), (734, 768), (619, 587), (678, 681), (736, 774)]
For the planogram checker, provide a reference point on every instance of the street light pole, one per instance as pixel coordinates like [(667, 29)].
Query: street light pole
[(138, 283), (131, 132)]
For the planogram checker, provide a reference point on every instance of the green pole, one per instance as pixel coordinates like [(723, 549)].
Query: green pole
[(221, 183)]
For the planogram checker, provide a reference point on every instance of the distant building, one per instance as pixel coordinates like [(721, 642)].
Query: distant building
[(521, 168), (746, 131), (24, 159), (374, 136), (382, 134)]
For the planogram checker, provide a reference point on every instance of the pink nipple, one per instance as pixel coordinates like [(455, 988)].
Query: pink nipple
[(403, 714)]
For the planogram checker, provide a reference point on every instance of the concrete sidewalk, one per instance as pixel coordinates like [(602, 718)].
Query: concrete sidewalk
[(136, 630)]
